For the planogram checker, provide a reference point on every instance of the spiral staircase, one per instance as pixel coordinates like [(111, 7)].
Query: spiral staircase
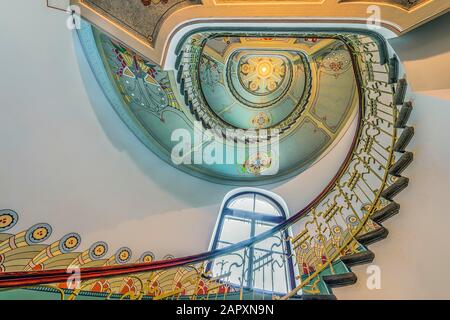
[(326, 239)]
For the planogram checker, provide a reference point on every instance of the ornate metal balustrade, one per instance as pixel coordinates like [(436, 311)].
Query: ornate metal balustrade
[(327, 237)]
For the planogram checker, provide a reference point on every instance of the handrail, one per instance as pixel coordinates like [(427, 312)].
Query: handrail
[(18, 279), (381, 43)]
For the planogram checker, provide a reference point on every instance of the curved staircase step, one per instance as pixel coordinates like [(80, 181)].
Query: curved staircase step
[(404, 114), (340, 280), (405, 160), (373, 236), (389, 211), (358, 258), (400, 92), (404, 139), (394, 189)]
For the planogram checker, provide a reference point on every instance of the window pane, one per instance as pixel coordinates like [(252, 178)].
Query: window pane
[(235, 230), (244, 202), (271, 273), (271, 265), (261, 227), (264, 205), (264, 267)]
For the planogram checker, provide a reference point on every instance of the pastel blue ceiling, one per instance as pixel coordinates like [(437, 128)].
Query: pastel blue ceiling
[(303, 88)]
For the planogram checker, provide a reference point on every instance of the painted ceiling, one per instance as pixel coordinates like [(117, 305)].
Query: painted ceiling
[(141, 17), (298, 94)]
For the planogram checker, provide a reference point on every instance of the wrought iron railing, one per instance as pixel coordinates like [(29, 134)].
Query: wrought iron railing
[(327, 237)]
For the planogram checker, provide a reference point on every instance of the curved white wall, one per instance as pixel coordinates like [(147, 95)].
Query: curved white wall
[(425, 53), (415, 258)]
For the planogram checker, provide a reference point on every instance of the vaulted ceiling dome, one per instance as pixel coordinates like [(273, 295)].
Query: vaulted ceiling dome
[(240, 108), (250, 83)]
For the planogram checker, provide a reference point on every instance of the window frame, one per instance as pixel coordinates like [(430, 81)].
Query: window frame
[(255, 217)]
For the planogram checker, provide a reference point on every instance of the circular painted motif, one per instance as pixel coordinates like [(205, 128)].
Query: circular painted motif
[(250, 81), (69, 242), (8, 219), (123, 255), (38, 233), (352, 220), (147, 257), (337, 229), (98, 250), (257, 163), (262, 78), (336, 62), (261, 120), (262, 75)]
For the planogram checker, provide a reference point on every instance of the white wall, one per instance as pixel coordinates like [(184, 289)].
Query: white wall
[(68, 160), (415, 258), (425, 53)]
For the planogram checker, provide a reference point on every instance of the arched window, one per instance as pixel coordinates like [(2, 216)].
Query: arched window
[(247, 213)]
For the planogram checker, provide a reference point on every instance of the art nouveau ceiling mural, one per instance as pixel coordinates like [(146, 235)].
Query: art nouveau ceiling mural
[(142, 17), (230, 83)]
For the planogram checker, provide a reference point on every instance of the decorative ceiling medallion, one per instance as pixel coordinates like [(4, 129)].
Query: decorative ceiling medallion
[(260, 78), (261, 120), (242, 82), (262, 75), (336, 62), (38, 233), (123, 255), (258, 163), (69, 242), (8, 219), (98, 250), (147, 257)]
